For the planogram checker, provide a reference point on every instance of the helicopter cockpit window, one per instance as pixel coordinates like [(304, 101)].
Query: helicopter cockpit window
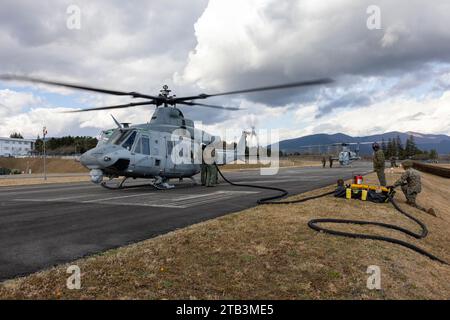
[(145, 145), (137, 148), (128, 144), (119, 136)]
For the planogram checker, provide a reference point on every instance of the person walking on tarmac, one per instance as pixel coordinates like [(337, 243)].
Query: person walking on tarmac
[(411, 185), (324, 162), (331, 161), (393, 162), (378, 163)]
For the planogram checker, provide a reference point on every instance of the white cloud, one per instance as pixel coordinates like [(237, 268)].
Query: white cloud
[(384, 78), (13, 102)]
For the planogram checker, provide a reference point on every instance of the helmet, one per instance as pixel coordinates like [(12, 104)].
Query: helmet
[(375, 146), (407, 164)]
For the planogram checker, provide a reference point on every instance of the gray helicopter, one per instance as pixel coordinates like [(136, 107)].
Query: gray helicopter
[(345, 156), (167, 147)]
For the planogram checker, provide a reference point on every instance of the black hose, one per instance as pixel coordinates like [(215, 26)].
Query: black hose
[(313, 224)]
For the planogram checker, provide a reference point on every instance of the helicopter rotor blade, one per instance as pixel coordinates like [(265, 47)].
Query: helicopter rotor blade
[(281, 86), (120, 106), (7, 77), (193, 103)]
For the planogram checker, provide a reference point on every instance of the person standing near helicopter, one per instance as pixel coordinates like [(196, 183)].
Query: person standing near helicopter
[(203, 166), (209, 154), (378, 163)]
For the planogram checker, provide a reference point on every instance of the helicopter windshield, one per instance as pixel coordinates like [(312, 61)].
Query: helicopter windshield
[(124, 138), (128, 144)]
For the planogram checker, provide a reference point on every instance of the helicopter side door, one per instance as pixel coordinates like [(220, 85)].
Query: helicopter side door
[(141, 156), (157, 152), (147, 161), (180, 157)]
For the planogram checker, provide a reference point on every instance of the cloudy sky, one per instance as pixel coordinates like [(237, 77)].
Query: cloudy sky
[(396, 77)]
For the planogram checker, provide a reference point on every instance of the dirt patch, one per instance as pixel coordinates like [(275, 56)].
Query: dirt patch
[(54, 165), (268, 252), (35, 181)]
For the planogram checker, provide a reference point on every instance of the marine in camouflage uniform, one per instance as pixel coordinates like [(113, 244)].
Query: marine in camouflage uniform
[(203, 168), (410, 183), (378, 163), (393, 163), (211, 169)]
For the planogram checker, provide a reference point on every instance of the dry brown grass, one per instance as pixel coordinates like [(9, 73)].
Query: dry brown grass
[(266, 252), (54, 165), (35, 181)]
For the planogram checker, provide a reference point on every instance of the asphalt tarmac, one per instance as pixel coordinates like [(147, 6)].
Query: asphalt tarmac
[(46, 225)]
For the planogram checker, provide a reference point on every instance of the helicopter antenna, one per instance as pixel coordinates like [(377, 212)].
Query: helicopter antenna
[(117, 122)]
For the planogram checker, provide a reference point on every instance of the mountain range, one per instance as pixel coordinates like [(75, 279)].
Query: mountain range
[(440, 142)]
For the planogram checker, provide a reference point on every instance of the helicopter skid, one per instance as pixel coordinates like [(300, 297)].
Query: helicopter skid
[(158, 183)]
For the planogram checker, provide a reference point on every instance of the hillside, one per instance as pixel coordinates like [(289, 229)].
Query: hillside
[(424, 141)]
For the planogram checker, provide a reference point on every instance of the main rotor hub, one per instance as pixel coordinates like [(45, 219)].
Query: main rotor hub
[(165, 91)]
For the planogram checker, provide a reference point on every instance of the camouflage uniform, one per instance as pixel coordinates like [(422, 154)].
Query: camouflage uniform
[(411, 185), (203, 167), (378, 166), (211, 170)]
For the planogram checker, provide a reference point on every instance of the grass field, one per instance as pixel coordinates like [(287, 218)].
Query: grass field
[(18, 181), (267, 252), (54, 165)]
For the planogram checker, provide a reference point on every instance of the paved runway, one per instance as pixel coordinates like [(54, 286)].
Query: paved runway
[(47, 225)]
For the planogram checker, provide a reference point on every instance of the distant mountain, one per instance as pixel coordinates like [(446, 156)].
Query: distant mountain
[(439, 142)]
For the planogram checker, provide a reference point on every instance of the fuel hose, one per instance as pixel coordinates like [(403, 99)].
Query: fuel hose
[(315, 224)]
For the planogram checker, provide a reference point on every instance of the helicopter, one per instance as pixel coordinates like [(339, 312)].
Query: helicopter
[(346, 155), (167, 147)]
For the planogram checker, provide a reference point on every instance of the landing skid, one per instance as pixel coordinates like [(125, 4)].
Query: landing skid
[(159, 183), (120, 185)]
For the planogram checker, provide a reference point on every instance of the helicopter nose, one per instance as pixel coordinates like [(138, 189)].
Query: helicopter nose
[(89, 160)]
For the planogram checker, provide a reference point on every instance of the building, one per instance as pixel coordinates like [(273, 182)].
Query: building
[(11, 147)]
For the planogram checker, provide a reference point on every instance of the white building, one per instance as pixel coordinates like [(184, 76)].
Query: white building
[(10, 147)]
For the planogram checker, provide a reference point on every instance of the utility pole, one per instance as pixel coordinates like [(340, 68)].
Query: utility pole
[(44, 132)]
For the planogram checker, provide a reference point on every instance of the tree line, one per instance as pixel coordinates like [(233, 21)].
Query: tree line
[(66, 145), (395, 148)]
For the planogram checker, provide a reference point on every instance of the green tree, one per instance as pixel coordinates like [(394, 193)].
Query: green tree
[(433, 154), (400, 149), (383, 146), (16, 135), (411, 148)]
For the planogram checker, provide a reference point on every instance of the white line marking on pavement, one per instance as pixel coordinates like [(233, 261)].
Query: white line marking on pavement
[(157, 200)]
